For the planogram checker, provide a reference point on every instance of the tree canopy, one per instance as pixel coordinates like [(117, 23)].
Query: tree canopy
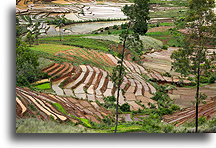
[(138, 15)]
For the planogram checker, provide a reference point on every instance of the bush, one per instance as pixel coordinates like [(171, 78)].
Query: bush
[(212, 78), (107, 28), (109, 102), (125, 107), (165, 47), (115, 27), (27, 66), (124, 26)]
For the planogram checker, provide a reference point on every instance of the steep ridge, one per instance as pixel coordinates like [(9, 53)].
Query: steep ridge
[(42, 106), (188, 114)]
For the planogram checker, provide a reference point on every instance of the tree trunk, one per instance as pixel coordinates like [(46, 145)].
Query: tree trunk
[(119, 84), (60, 33), (197, 97)]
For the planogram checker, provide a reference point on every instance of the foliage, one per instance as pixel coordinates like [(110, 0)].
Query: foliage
[(109, 102), (138, 15), (205, 126), (26, 65), (151, 124), (163, 100), (118, 75), (125, 107)]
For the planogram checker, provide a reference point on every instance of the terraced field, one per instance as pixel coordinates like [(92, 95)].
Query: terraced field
[(159, 61), (46, 106), (188, 114), (92, 83)]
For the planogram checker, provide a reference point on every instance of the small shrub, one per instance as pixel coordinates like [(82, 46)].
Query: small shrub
[(115, 27), (124, 26), (165, 47), (125, 107), (107, 28)]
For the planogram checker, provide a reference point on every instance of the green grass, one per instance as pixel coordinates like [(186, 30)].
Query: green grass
[(79, 41), (43, 86), (38, 126), (85, 122), (172, 13), (59, 108), (90, 43), (51, 48), (128, 128), (148, 42)]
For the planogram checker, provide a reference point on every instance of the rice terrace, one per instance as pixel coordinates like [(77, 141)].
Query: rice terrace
[(115, 66)]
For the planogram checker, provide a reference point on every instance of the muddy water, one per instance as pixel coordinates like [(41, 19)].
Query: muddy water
[(82, 28)]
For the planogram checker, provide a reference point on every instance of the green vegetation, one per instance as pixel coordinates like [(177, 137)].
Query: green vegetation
[(65, 21), (172, 13), (38, 126), (84, 121), (43, 86), (51, 48), (138, 13), (170, 37), (170, 3), (90, 43), (60, 108), (79, 41)]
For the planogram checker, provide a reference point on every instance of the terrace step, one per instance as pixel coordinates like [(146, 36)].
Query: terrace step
[(181, 117), (44, 102), (134, 105)]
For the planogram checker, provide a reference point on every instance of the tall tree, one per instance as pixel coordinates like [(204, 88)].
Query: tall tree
[(138, 15), (132, 42), (193, 57)]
